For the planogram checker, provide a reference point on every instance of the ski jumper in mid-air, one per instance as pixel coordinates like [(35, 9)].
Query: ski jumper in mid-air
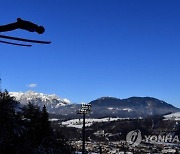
[(24, 25)]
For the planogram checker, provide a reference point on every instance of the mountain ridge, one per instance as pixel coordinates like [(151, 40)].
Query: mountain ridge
[(102, 107), (134, 99), (132, 106)]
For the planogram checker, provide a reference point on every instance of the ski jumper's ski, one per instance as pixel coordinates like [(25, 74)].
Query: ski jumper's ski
[(19, 44), (24, 40)]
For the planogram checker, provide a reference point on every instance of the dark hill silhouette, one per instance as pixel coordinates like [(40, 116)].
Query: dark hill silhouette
[(131, 107)]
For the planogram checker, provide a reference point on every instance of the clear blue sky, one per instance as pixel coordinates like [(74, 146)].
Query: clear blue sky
[(117, 48)]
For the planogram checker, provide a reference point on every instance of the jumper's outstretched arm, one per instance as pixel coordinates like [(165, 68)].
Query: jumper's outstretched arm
[(22, 24)]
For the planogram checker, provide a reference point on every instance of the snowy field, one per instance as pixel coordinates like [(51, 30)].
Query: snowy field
[(78, 123), (173, 116)]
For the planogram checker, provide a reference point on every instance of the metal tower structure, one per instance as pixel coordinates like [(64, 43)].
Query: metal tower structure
[(85, 109)]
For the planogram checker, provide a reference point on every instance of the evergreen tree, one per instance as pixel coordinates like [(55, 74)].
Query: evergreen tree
[(32, 120), (7, 105), (9, 129), (45, 123)]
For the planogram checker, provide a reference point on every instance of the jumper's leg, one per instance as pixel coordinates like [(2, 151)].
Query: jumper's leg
[(9, 27)]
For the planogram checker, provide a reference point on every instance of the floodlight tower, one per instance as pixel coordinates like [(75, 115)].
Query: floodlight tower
[(85, 109)]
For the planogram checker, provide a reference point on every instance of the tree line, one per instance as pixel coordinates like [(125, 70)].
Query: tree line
[(27, 129)]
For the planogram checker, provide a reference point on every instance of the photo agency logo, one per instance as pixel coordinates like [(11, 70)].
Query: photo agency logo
[(134, 138)]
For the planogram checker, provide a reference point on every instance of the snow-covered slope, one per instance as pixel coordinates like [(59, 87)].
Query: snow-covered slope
[(173, 116), (40, 99), (78, 123)]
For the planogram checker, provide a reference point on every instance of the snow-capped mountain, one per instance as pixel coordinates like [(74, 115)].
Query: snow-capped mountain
[(51, 101), (133, 107)]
